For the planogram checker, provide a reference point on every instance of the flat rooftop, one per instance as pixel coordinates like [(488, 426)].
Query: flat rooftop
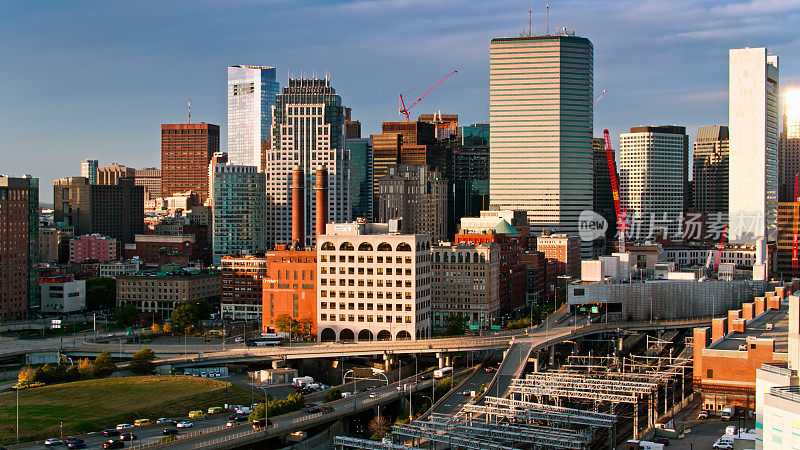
[(757, 329)]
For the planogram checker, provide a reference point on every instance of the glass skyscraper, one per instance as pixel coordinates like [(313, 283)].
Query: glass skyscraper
[(360, 177), (251, 95), (240, 218)]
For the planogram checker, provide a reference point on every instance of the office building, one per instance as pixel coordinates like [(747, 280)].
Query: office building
[(61, 295), (116, 211), (466, 281), (352, 127), (186, 149), (54, 243), (564, 249), (89, 170), (360, 177), (653, 177), (19, 247), (93, 247), (788, 226), (217, 158), (240, 296), (789, 146), (308, 132), (446, 124), (159, 294), (603, 198), (156, 250), (150, 178), (290, 288), (753, 120), (240, 203), (112, 173), (417, 196), (251, 96), (540, 110), (470, 169), (711, 161), (372, 284)]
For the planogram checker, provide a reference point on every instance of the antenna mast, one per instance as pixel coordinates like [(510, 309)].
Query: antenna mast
[(189, 110), (529, 22), (547, 19)]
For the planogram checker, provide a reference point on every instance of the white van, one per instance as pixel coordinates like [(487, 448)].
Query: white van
[(725, 441)]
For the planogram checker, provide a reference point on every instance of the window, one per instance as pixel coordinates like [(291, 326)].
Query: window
[(384, 247), (328, 246), (365, 247), (346, 247), (710, 373)]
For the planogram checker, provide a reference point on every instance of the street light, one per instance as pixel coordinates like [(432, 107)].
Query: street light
[(266, 409)]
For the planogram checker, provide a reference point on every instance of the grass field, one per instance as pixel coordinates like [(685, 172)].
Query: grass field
[(94, 405)]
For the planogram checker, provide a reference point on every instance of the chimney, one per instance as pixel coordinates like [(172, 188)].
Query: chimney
[(321, 193), (298, 208)]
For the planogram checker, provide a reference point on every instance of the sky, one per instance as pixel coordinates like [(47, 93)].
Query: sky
[(96, 78)]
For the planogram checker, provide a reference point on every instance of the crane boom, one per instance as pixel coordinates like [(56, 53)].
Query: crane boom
[(720, 247), (406, 110), (612, 173)]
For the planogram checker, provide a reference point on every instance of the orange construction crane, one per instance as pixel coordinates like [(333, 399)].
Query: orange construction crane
[(720, 247), (612, 173), (406, 110)]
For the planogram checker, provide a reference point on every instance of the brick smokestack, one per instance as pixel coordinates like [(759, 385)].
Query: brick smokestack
[(298, 208), (321, 193)]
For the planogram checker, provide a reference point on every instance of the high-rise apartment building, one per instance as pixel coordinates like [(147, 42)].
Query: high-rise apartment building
[(360, 151), (417, 194), (19, 247), (89, 170), (653, 174), (789, 156), (251, 96), (240, 216), (307, 131), (112, 173), (540, 109), (116, 210), (753, 120), (372, 284), (150, 178), (186, 149), (710, 173)]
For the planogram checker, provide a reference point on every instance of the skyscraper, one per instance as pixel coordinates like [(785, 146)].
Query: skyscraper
[(19, 247), (150, 178), (711, 159), (653, 173), (186, 149), (471, 171), (360, 151), (307, 131), (112, 173), (602, 197), (789, 163), (240, 202), (540, 109), (89, 170), (753, 120), (251, 96), (417, 194)]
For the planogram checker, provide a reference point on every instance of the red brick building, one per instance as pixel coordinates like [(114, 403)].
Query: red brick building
[(19, 247), (186, 150), (160, 249), (290, 287)]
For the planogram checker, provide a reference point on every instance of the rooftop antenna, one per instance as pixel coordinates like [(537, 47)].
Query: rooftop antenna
[(189, 110), (529, 22), (547, 19)]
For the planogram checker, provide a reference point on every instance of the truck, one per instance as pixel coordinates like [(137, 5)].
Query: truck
[(301, 382), (443, 372), (728, 412)]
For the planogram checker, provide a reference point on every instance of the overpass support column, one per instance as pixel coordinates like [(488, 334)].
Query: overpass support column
[(442, 357), (388, 361), (448, 359), (276, 364), (552, 355)]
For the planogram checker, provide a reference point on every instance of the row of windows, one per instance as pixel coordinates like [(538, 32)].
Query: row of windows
[(368, 318), (369, 271), (367, 259), (369, 283), (368, 306), (368, 294), (367, 247)]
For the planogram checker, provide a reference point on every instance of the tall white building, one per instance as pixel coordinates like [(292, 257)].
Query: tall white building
[(372, 284), (653, 177), (308, 131), (540, 108), (753, 120), (251, 95)]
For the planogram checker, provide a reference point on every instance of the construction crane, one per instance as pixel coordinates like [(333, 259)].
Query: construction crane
[(795, 270), (406, 110), (612, 173), (720, 247), (601, 96)]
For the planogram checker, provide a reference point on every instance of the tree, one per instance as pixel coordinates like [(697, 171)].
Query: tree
[(185, 316), (142, 362), (155, 328), (286, 323), (379, 427), (332, 395), (304, 327), (101, 293), (126, 314), (168, 328), (443, 386), (26, 375), (103, 365), (86, 369), (203, 308), (455, 324)]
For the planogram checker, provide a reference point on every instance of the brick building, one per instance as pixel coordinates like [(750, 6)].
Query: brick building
[(564, 249), (161, 293), (186, 150), (93, 247), (290, 287), (19, 247), (158, 249)]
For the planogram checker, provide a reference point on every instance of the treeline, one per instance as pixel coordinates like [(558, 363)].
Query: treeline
[(101, 367)]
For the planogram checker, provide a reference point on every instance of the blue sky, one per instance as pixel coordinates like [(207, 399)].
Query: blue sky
[(97, 78)]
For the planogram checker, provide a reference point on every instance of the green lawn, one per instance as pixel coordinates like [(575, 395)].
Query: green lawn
[(94, 405)]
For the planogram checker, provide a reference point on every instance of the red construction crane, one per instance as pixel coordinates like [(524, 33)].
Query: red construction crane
[(720, 247), (612, 173), (795, 270), (405, 111)]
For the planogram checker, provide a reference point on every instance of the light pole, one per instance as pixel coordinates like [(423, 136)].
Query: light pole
[(266, 409), (17, 427)]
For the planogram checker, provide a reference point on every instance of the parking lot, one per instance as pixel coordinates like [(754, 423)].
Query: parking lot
[(701, 434)]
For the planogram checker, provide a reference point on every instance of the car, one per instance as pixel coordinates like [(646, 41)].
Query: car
[(327, 409), (184, 424), (73, 442), (314, 410), (370, 388), (128, 437), (703, 415), (215, 410), (111, 443), (232, 423), (260, 423), (239, 340), (52, 442), (196, 414), (372, 395), (240, 417), (110, 432), (489, 369), (169, 431), (124, 426), (165, 420), (142, 422), (661, 440)]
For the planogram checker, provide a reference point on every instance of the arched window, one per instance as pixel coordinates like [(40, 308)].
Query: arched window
[(483, 258), (436, 258), (474, 257), (384, 247), (418, 248), (365, 247), (403, 247), (446, 258), (460, 257), (328, 246), (346, 247)]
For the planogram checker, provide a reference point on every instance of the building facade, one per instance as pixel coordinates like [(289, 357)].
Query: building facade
[(789, 146), (94, 247), (112, 173), (372, 285), (62, 295), (541, 156), (753, 120), (19, 247), (290, 288), (155, 250), (150, 178), (417, 194), (240, 297), (240, 211), (470, 177), (788, 227), (710, 172), (160, 294), (251, 96), (115, 269), (564, 249), (602, 197), (307, 132), (361, 182), (465, 282), (653, 177), (89, 170), (186, 149)]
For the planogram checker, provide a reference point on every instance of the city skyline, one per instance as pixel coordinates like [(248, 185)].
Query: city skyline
[(143, 50)]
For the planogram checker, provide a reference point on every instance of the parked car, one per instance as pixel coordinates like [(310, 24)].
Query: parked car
[(110, 432), (327, 409), (52, 442), (124, 426), (703, 415), (111, 443), (169, 431), (184, 424)]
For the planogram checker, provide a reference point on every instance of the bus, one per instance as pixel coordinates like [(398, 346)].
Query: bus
[(264, 341), (443, 372)]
